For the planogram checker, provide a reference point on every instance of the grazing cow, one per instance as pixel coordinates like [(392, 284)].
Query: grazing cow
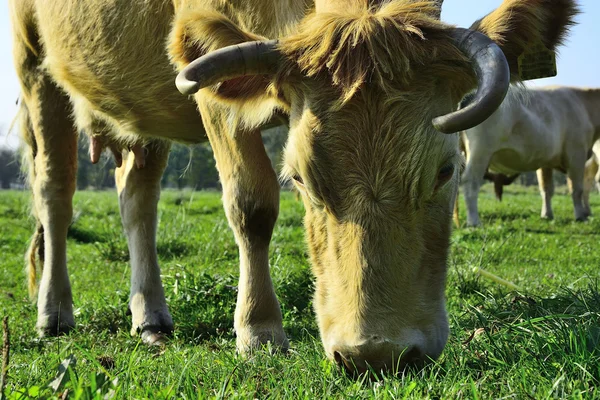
[(361, 81), (536, 129)]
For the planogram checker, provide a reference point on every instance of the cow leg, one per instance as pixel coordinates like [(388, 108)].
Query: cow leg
[(251, 201), (52, 138), (575, 173), (597, 179), (546, 185), (596, 149), (585, 198), (472, 179), (139, 192), (591, 171)]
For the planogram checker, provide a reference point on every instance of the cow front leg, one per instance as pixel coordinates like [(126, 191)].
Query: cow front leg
[(546, 185), (472, 179), (139, 191), (251, 201)]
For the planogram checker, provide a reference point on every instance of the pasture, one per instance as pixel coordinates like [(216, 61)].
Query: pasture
[(540, 342)]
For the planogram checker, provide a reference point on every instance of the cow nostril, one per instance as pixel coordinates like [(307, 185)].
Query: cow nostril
[(338, 358), (347, 365), (412, 355)]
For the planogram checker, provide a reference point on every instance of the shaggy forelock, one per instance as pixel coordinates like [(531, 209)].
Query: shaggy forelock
[(385, 44)]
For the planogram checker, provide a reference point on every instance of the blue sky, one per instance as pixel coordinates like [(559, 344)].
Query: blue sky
[(578, 62)]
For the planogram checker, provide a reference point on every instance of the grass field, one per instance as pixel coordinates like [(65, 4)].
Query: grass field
[(541, 342)]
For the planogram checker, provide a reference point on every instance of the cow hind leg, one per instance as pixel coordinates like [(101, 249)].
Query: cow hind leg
[(575, 173), (46, 126), (251, 201), (546, 185), (139, 193), (591, 171)]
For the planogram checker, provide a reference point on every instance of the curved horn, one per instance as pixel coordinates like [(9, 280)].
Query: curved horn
[(493, 79), (249, 58)]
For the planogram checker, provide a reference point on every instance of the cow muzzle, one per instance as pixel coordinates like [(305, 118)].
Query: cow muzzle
[(375, 354)]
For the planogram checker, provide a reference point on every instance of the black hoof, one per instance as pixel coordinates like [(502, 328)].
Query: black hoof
[(55, 330)]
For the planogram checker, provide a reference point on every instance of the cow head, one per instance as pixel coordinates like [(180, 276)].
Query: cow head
[(362, 85)]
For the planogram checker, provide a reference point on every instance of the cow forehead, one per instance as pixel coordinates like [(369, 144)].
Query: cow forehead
[(367, 153)]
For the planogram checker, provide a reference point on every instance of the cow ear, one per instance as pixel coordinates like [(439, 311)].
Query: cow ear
[(196, 33), (518, 26)]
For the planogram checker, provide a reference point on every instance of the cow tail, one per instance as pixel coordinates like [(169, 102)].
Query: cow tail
[(498, 186), (36, 246), (27, 58), (35, 251)]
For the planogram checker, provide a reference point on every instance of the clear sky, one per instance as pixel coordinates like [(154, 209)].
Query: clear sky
[(578, 62)]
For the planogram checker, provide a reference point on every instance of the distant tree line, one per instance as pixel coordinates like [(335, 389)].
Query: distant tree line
[(10, 169), (188, 166)]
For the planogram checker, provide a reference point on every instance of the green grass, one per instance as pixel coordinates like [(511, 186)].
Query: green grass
[(542, 342)]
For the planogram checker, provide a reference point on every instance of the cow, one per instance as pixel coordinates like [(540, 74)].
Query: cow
[(368, 87), (535, 129)]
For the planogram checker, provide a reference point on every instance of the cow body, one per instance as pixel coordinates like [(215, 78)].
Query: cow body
[(538, 129), (356, 79), (128, 84)]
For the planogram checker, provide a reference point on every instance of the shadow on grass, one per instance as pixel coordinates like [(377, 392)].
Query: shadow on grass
[(542, 231), (291, 220), (84, 236), (504, 216), (203, 305), (549, 331), (205, 210), (174, 249)]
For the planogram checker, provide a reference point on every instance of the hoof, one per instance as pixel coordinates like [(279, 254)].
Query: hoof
[(154, 335), (548, 217), (249, 340), (57, 328), (475, 223), (581, 219), (151, 338)]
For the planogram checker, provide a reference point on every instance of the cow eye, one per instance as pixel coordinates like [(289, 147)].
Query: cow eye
[(298, 179), (444, 175)]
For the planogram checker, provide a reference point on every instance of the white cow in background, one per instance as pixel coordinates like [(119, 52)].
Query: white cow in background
[(535, 129)]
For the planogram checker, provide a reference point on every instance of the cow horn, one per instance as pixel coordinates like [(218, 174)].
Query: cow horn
[(249, 58), (493, 78)]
